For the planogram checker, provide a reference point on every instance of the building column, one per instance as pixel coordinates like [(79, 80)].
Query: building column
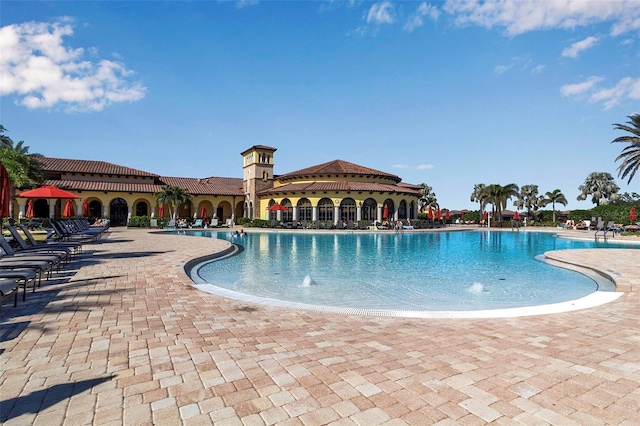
[(129, 212), (21, 204), (314, 213), (336, 214), (294, 213), (379, 214), (153, 211), (79, 210), (279, 215), (395, 214), (358, 212), (105, 210)]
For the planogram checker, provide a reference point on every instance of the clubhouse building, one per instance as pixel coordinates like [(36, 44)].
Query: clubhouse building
[(333, 191)]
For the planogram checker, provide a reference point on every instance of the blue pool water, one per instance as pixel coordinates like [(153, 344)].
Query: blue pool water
[(454, 271)]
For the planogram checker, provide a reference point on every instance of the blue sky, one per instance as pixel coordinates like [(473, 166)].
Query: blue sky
[(447, 93)]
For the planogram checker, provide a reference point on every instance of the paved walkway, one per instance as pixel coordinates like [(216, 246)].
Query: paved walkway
[(121, 337)]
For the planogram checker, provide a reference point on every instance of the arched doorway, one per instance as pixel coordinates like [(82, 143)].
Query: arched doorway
[(142, 209), (402, 210), (40, 208), (369, 210), (119, 212), (348, 210), (325, 210), (95, 208), (305, 210), (287, 215)]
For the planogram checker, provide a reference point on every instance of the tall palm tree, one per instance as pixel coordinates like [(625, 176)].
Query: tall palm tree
[(528, 199), (554, 197), (25, 169), (498, 195), (601, 187), (479, 196), (630, 154), (427, 196), (174, 196)]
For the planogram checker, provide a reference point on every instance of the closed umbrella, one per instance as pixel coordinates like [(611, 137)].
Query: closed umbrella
[(203, 213), (85, 208), (29, 212), (438, 213), (385, 212), (161, 211), (632, 214), (516, 216), (447, 216), (5, 193), (68, 209), (430, 213), (462, 216)]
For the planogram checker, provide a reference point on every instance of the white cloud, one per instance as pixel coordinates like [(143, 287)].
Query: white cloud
[(537, 69), (580, 88), (518, 17), (240, 4), (381, 13), (576, 48), (501, 69), (425, 166), (37, 67), (417, 19), (400, 166), (626, 88)]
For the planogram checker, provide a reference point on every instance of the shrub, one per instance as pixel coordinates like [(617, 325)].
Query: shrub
[(139, 222)]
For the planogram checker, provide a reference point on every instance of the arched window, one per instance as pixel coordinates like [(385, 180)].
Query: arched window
[(325, 209), (305, 210), (388, 207), (348, 210), (251, 209), (141, 209), (402, 210), (273, 215), (287, 215), (369, 210)]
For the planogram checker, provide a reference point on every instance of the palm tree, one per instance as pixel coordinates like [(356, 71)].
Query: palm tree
[(427, 196), (498, 195), (174, 196), (630, 154), (478, 195), (528, 199), (601, 187), (554, 197), (25, 169)]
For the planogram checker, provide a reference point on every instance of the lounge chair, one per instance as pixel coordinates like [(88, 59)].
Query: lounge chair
[(23, 277), (62, 252), (197, 224), (171, 224), (8, 287), (20, 259), (75, 247)]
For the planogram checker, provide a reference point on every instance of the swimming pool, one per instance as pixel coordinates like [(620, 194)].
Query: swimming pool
[(435, 271)]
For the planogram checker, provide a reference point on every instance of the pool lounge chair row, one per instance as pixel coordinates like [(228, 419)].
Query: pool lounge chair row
[(24, 261)]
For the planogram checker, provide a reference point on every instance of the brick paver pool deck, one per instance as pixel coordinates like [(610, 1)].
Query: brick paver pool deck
[(121, 337)]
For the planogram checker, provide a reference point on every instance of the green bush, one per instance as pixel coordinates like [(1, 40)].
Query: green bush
[(139, 222), (245, 221)]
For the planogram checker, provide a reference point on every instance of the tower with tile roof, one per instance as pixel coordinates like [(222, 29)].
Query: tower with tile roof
[(257, 176)]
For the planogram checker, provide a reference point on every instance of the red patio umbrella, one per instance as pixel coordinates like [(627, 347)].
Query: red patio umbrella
[(68, 209), (385, 212), (29, 212), (161, 211), (447, 216), (5, 193), (276, 207), (462, 216), (485, 215), (438, 213), (203, 212), (632, 214), (430, 213), (516, 215), (85, 208), (48, 192)]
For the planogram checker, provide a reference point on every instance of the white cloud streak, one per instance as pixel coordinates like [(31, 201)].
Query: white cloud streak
[(425, 166), (627, 88), (578, 47), (518, 17), (417, 19), (381, 13), (36, 66)]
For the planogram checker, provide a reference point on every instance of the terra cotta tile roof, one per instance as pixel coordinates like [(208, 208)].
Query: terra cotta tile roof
[(339, 186), (337, 167), (64, 165)]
